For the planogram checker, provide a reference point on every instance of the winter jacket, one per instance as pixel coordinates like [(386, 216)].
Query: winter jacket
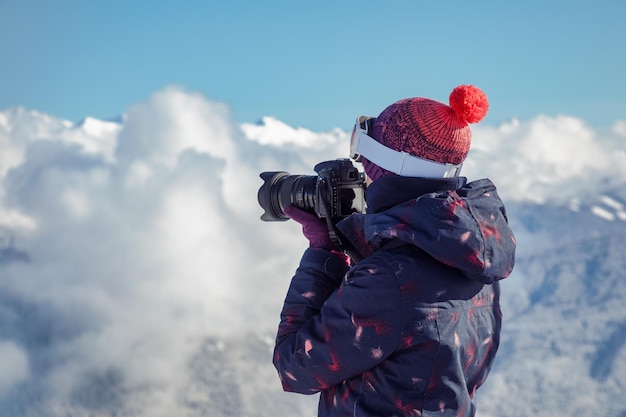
[(412, 328)]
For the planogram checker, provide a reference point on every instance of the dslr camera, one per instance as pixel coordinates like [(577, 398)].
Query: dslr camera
[(336, 192)]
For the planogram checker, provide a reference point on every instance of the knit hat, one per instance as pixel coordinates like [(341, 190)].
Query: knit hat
[(429, 129)]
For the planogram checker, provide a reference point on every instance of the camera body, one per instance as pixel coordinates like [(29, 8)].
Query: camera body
[(337, 191)]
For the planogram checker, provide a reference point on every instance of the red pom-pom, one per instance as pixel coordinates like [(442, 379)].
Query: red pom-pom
[(469, 103)]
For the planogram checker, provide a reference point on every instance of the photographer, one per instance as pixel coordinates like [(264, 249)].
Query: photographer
[(409, 324)]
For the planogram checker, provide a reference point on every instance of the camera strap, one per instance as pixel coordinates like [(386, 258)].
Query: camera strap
[(354, 255), (335, 235)]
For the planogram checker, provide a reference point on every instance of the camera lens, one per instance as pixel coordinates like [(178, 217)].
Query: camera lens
[(280, 189)]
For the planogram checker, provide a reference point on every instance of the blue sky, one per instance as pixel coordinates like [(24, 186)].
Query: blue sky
[(315, 64)]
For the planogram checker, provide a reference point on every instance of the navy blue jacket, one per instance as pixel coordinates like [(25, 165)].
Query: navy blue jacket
[(412, 328)]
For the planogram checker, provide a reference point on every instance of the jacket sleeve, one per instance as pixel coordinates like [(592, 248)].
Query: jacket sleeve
[(329, 333)]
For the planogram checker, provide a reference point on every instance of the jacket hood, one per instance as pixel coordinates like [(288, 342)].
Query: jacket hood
[(465, 228)]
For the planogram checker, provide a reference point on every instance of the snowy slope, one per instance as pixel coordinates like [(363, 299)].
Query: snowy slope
[(564, 341)]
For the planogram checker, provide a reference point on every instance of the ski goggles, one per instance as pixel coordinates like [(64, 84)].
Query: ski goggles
[(401, 163)]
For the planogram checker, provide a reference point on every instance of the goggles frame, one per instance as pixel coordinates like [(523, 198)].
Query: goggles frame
[(399, 162)]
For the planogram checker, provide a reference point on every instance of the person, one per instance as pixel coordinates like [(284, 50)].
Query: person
[(411, 326)]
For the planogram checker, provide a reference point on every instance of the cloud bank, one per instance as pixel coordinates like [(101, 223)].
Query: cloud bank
[(549, 159), (123, 245)]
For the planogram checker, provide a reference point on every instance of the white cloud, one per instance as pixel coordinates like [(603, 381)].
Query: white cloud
[(547, 159), (131, 242), (138, 251), (13, 366)]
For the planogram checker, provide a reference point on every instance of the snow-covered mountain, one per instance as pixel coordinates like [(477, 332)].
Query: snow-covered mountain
[(564, 341), (136, 278)]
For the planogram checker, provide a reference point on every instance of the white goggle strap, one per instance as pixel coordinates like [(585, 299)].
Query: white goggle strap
[(400, 163)]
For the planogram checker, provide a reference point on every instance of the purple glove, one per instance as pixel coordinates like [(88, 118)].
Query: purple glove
[(313, 228)]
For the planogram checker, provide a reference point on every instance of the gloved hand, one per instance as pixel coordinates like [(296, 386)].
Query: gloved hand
[(313, 228)]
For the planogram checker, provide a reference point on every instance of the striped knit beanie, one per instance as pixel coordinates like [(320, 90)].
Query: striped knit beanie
[(429, 129)]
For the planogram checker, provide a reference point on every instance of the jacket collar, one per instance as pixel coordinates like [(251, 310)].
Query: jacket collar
[(389, 191)]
